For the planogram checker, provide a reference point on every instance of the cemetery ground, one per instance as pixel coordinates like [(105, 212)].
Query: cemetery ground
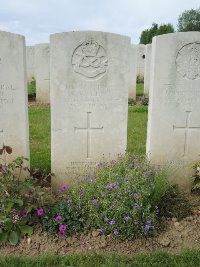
[(178, 227)]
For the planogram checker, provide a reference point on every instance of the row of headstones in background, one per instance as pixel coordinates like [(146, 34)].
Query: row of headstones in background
[(38, 66), (147, 69)]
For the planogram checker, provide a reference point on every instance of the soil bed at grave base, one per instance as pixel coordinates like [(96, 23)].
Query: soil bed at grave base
[(38, 104), (175, 236)]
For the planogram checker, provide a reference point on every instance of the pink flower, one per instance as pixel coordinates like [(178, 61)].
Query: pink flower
[(62, 227), (24, 213), (58, 218), (40, 212), (61, 234), (64, 187)]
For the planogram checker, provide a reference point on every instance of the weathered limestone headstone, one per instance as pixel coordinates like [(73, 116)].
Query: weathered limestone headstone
[(14, 130), (140, 60), (133, 66), (147, 69), (30, 54), (173, 136), (42, 73), (89, 95)]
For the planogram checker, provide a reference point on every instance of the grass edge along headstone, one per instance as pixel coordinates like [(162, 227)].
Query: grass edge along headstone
[(89, 100), (173, 135)]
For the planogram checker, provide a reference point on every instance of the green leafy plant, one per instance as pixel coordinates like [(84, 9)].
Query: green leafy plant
[(140, 79), (196, 178), (118, 198), (145, 101), (20, 198), (131, 101)]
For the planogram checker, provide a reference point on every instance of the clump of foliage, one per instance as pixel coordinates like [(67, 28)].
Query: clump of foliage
[(119, 198), (20, 199), (32, 89), (148, 34), (131, 101), (196, 178), (145, 101), (174, 204), (140, 79), (189, 20)]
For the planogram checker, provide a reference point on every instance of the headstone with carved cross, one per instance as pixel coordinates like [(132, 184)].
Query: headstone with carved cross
[(173, 137), (42, 74), (89, 94), (14, 130)]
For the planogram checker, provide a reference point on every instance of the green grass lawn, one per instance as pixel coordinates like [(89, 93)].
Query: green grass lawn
[(39, 126), (40, 134), (185, 259), (139, 89)]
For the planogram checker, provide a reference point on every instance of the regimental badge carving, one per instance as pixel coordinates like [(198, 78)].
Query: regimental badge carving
[(188, 61), (90, 60)]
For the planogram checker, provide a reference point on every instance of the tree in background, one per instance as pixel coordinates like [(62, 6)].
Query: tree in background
[(148, 34), (189, 20)]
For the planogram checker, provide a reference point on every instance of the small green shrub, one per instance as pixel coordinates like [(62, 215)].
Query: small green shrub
[(145, 101), (196, 178), (20, 199), (131, 101), (119, 198), (140, 79), (32, 89)]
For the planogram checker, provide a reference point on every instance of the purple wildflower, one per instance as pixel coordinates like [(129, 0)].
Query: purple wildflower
[(126, 218), (102, 195), (136, 206), (112, 161), (116, 232), (95, 202), (101, 164), (58, 218), (61, 234), (64, 187), (112, 222), (62, 227), (24, 213), (40, 212), (106, 219)]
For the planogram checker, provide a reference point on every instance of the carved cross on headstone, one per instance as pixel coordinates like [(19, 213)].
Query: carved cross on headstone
[(88, 129), (186, 128)]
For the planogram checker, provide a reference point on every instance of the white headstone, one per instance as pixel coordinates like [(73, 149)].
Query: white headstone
[(173, 136), (140, 60), (30, 54), (14, 130), (42, 73), (147, 69), (89, 100), (133, 66)]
